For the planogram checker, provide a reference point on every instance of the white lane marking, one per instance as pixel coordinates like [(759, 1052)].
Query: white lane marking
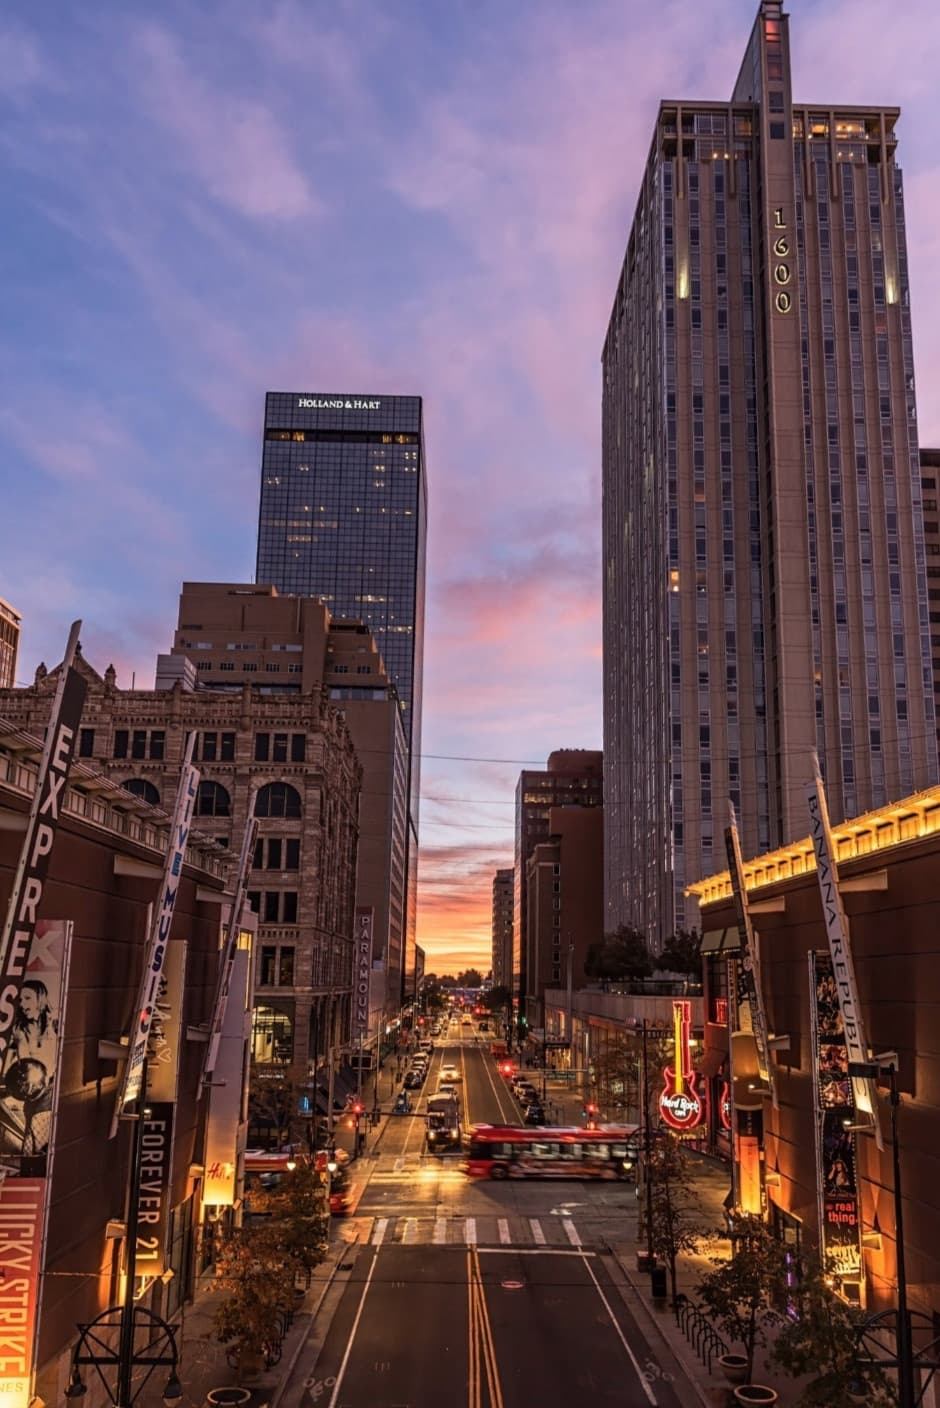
[(471, 1231), (352, 1335), (410, 1233), (440, 1231), (399, 1163), (535, 1251), (503, 1226), (378, 1235), (613, 1320), (571, 1231), (538, 1236)]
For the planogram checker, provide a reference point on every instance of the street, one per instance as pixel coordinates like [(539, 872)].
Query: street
[(497, 1294)]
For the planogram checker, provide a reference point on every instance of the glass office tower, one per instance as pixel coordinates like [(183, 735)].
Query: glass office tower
[(765, 586), (343, 517)]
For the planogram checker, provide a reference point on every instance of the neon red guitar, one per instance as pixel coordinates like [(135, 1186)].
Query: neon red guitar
[(680, 1104)]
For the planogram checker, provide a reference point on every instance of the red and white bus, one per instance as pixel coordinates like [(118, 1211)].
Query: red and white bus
[(505, 1151)]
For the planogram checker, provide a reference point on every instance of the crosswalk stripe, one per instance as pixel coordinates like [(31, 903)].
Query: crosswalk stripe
[(378, 1235), (440, 1231), (410, 1233), (538, 1235), (572, 1231), (471, 1231), (503, 1226)]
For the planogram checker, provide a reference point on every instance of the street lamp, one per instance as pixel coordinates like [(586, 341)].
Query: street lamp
[(96, 1347)]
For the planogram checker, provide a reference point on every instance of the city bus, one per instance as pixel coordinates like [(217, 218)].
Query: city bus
[(505, 1151)]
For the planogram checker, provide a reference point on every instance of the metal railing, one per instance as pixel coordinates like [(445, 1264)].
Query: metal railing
[(699, 1331)]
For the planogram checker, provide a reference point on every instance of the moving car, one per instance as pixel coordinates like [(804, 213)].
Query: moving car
[(447, 1090), (533, 1114), (449, 1072), (526, 1095)]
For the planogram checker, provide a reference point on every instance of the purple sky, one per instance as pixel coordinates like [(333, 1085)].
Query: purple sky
[(204, 202)]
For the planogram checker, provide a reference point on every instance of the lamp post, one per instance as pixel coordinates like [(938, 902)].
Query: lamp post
[(887, 1065)]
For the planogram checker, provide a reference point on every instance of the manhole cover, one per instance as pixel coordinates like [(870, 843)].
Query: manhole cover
[(230, 1397), (512, 1285)]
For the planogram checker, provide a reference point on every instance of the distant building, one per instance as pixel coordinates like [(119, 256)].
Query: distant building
[(501, 960), (288, 648), (565, 902), (298, 752), (572, 778), (765, 589), (9, 644), (343, 517)]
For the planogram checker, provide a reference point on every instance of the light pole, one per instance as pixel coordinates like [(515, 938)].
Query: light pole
[(887, 1065)]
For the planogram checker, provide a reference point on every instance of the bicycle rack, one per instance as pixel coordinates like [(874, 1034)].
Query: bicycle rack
[(699, 1331)]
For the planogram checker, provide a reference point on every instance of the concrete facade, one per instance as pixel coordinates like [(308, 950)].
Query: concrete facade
[(565, 904), (765, 592), (501, 959)]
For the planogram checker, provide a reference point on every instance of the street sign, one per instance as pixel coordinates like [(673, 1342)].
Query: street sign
[(552, 1045)]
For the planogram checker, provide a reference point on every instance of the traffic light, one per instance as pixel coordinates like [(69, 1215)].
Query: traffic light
[(357, 1108), (506, 1068)]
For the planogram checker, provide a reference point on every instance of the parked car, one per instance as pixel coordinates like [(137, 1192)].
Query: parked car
[(526, 1095), (414, 1079), (533, 1114), (426, 1045)]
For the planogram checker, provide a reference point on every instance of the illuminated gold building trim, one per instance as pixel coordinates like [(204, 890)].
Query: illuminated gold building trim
[(895, 825)]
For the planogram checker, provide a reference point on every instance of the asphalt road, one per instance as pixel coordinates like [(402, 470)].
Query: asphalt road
[(489, 1294)]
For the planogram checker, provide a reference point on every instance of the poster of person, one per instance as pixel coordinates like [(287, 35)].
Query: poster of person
[(835, 1106), (30, 1065)]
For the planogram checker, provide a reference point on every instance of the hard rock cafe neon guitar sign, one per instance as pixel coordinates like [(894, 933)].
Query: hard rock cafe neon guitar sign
[(680, 1104)]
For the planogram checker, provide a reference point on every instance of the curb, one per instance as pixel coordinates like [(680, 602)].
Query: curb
[(287, 1372), (653, 1318)]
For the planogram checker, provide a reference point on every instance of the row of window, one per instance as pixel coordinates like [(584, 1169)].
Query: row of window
[(212, 746), (275, 799)]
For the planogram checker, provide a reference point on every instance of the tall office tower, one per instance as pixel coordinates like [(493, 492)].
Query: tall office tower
[(564, 902), (573, 777), (502, 929), (343, 516), (765, 592), (929, 474), (9, 644)]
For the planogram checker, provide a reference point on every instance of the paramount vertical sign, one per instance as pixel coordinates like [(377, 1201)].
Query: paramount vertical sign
[(362, 969), (158, 940)]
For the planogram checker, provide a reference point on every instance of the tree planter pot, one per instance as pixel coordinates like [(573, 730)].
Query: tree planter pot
[(734, 1367), (754, 1394)]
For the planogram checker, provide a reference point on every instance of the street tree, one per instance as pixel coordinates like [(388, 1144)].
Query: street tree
[(495, 999), (681, 953), (675, 1228), (619, 957), (821, 1342), (299, 1214), (739, 1294), (275, 1094), (470, 978)]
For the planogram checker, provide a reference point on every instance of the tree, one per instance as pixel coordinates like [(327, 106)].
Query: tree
[(673, 1228), (470, 978), (259, 1280), (739, 1293), (299, 1214), (682, 954), (619, 957), (495, 999), (822, 1341), (274, 1100)]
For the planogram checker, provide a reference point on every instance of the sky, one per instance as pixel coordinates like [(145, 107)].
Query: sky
[(204, 202)]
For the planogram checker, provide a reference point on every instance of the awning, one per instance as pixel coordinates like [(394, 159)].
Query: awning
[(720, 940), (712, 1061)]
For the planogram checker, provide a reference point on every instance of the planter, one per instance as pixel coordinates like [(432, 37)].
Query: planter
[(754, 1394), (734, 1367), (250, 1366), (643, 1260)]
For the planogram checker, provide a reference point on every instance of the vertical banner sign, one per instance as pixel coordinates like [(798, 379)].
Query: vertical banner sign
[(362, 968), (680, 1104), (225, 1123), (41, 827), (836, 1179), (840, 948), (156, 1160), (27, 1140), (155, 954), (229, 945), (746, 971)]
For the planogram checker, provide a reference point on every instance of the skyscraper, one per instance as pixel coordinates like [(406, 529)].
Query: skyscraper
[(9, 644), (765, 590), (343, 516), (501, 960)]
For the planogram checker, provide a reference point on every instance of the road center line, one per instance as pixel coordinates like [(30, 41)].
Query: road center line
[(352, 1335)]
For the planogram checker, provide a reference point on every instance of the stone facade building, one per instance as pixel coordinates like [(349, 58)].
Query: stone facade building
[(298, 752)]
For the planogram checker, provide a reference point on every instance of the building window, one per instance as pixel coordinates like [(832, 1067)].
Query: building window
[(278, 799), (213, 800), (272, 1036), (140, 787), (279, 907), (216, 748), (86, 743), (280, 747), (142, 744), (277, 853), (120, 743)]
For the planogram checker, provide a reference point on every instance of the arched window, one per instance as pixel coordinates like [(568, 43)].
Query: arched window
[(272, 1036), (278, 799), (140, 787), (213, 800)]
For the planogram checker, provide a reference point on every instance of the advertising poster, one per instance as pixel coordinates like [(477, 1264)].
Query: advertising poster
[(836, 1182), (28, 1098)]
